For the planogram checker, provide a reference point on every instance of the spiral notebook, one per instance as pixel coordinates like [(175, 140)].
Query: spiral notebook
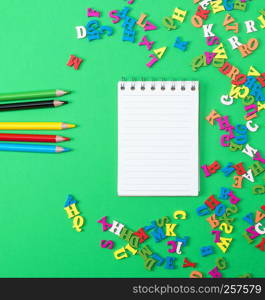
[(158, 144)]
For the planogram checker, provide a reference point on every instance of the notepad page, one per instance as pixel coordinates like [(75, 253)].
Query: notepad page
[(158, 138)]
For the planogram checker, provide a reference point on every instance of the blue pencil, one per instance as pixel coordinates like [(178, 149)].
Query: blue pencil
[(32, 148)]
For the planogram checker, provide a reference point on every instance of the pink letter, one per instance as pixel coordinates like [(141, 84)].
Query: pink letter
[(144, 41)]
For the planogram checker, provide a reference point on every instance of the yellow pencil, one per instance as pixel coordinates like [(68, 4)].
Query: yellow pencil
[(35, 125)]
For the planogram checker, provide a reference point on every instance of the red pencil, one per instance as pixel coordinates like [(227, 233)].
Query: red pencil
[(43, 138)]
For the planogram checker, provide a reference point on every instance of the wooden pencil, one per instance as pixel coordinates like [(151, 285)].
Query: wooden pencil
[(35, 126), (32, 95), (31, 105), (32, 148), (41, 138)]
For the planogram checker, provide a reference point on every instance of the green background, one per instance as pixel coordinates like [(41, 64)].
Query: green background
[(36, 237)]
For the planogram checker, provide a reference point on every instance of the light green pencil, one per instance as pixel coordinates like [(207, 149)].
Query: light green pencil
[(32, 95)]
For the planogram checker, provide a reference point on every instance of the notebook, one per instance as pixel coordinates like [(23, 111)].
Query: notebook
[(158, 149)]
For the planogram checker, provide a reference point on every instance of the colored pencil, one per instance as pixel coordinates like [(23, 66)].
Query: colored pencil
[(32, 95), (31, 105), (32, 148), (35, 126), (41, 138)]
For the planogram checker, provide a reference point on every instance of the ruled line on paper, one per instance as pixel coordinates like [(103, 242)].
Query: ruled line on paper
[(136, 105), (146, 144), (143, 169), (158, 177), (172, 119), (158, 181), (154, 159), (156, 152), (147, 97), (151, 190), (157, 120), (156, 129), (139, 113), (166, 133), (157, 186), (160, 171), (155, 108), (125, 138), (153, 168)]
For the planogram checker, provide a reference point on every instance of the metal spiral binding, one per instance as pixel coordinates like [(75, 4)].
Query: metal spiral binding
[(163, 84), (154, 85), (133, 84), (142, 84), (122, 84), (182, 87)]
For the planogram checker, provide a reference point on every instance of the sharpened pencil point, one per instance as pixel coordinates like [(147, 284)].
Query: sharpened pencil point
[(62, 149), (66, 149), (59, 103), (69, 126), (61, 139), (61, 93)]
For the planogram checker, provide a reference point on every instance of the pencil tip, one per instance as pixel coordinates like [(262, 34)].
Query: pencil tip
[(67, 126), (70, 125), (62, 149), (61, 139), (61, 93), (59, 103)]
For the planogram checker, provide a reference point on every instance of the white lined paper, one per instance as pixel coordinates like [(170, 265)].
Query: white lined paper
[(158, 139)]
